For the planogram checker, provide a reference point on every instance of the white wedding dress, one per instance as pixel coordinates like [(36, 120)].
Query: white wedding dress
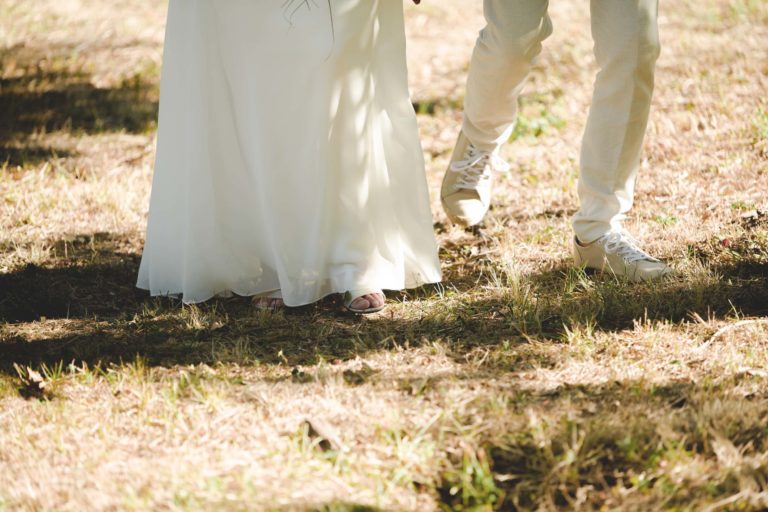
[(288, 154)]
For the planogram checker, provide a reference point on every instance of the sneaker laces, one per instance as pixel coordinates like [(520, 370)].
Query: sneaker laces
[(477, 166), (626, 246)]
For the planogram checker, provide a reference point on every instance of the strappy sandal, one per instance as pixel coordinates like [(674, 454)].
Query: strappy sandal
[(352, 295)]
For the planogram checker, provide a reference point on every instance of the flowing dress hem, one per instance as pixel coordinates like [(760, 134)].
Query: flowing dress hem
[(228, 292)]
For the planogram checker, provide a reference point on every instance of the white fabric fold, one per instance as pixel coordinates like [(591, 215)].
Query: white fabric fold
[(288, 154)]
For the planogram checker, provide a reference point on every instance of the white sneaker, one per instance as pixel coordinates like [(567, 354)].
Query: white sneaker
[(618, 252), (466, 190)]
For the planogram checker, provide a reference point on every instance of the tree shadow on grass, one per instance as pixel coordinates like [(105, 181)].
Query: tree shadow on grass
[(24, 153), (43, 95), (591, 445), (89, 276), (89, 300)]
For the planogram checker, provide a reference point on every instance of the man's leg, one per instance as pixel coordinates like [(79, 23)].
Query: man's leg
[(626, 47), (501, 62)]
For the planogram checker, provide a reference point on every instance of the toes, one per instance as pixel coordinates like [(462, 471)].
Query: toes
[(269, 303), (361, 303), (369, 301), (376, 300)]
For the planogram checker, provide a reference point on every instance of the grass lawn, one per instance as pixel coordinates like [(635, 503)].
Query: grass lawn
[(518, 384)]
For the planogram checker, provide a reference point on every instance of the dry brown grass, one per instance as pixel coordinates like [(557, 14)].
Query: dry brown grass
[(521, 384)]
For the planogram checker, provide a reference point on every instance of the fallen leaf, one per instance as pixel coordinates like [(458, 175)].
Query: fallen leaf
[(324, 434)]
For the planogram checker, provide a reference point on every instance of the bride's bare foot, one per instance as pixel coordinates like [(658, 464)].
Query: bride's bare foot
[(368, 303), (268, 303)]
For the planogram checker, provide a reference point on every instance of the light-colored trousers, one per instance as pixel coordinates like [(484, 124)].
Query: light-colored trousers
[(625, 34)]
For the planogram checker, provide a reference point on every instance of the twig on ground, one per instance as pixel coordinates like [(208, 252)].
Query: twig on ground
[(732, 327)]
